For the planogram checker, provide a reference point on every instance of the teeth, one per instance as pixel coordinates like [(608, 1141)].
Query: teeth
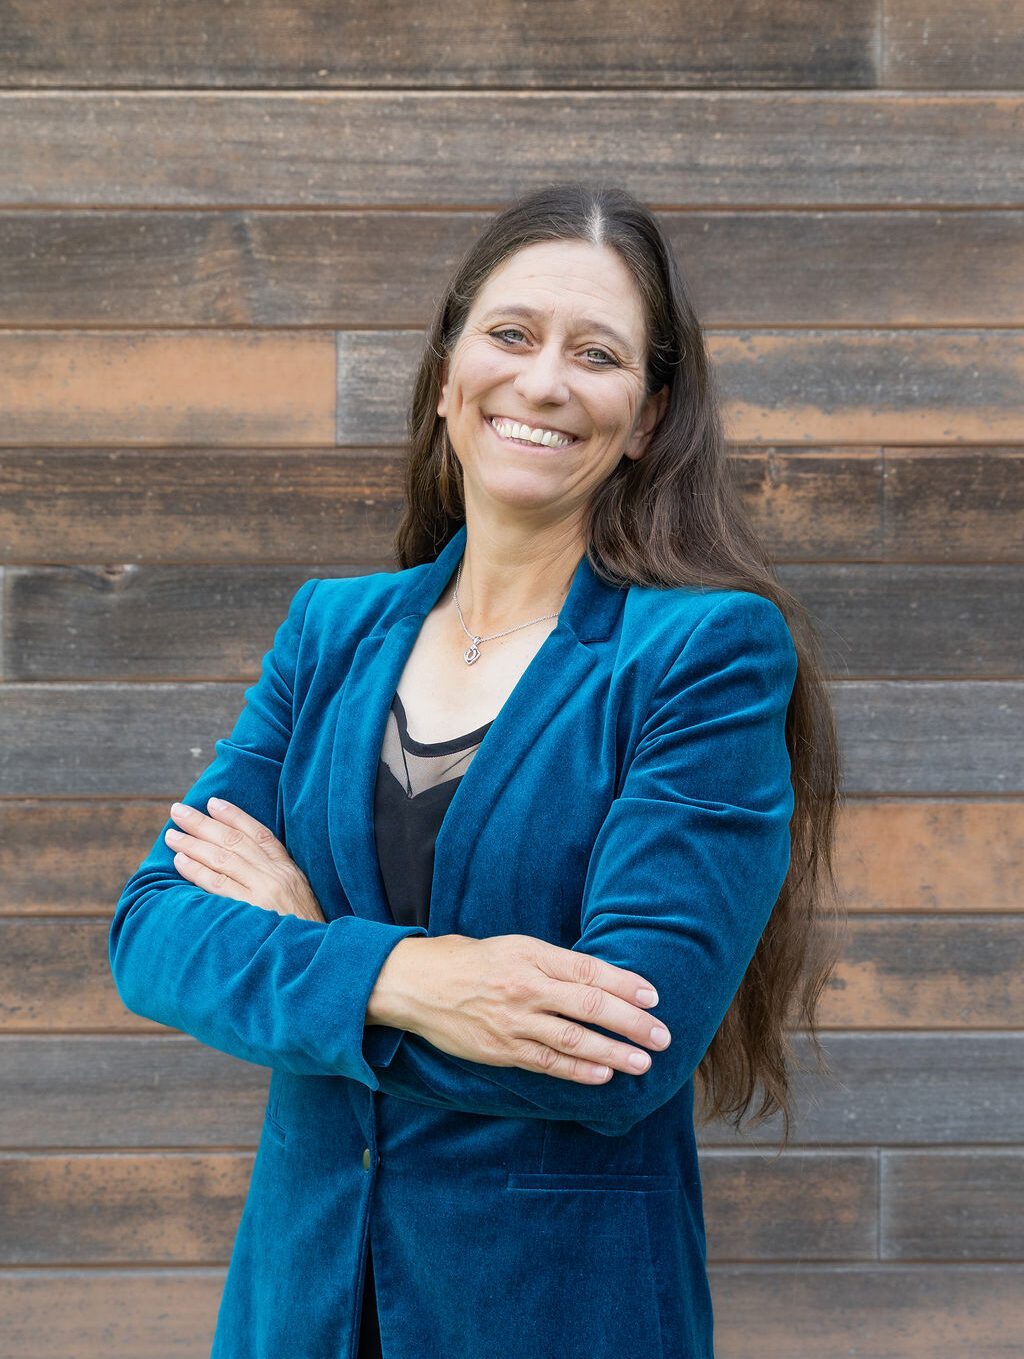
[(512, 429)]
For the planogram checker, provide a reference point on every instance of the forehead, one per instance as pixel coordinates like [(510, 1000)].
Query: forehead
[(572, 279)]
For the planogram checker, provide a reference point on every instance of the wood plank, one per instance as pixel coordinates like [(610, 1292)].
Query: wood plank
[(815, 386), (154, 739), (931, 856), (940, 45), (337, 269), (859, 1312), (195, 623), (146, 387), (978, 493), (126, 1091), (909, 972), (952, 1205), (477, 149), (106, 506), (565, 43), (109, 1314), (889, 621), (72, 858), (924, 1089)]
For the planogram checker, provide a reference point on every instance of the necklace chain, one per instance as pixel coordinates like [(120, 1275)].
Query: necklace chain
[(472, 652)]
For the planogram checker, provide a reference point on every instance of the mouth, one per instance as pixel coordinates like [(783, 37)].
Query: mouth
[(530, 435)]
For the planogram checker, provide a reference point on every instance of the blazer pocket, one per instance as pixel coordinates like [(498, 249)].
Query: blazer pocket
[(275, 1131), (603, 1183)]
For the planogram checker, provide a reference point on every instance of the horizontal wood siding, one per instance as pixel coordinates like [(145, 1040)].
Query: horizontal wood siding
[(221, 226)]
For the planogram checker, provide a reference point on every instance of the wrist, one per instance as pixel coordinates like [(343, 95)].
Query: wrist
[(395, 997)]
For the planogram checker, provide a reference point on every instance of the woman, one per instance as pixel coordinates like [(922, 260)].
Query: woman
[(507, 846)]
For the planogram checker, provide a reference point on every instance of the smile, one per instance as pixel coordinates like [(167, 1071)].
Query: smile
[(528, 434)]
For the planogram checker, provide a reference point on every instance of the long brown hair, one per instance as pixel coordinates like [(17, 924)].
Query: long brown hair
[(670, 518)]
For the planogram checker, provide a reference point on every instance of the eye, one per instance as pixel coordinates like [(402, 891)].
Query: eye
[(509, 335), (600, 357)]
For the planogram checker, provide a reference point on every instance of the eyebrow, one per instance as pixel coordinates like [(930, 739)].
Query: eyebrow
[(586, 324)]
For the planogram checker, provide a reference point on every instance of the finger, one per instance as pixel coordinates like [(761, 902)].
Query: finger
[(219, 884), (216, 832), (572, 965), (574, 1040), (213, 856), (231, 815), (593, 1005), (533, 1056)]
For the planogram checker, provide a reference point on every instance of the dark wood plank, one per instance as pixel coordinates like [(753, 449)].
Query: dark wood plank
[(141, 387), (168, 505), (896, 621), (562, 43), (477, 149), (901, 1089), (815, 386), (72, 858), (109, 1314), (918, 855), (978, 494), (851, 1312), (952, 1205), (167, 1091), (154, 739), (940, 45), (337, 269), (909, 972)]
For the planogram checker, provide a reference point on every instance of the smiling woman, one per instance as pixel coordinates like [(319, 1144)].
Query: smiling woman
[(496, 913)]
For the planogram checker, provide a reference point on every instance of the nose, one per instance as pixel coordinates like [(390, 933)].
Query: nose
[(542, 378)]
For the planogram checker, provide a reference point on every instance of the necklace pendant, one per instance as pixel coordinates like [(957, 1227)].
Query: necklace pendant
[(471, 653)]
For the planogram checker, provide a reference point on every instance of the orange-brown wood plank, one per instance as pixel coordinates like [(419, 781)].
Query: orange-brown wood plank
[(863, 1312), (952, 1205), (148, 387), (942, 45), (477, 149), (812, 386), (561, 43), (324, 268), (920, 855)]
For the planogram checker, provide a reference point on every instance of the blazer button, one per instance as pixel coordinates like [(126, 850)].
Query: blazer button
[(366, 1159)]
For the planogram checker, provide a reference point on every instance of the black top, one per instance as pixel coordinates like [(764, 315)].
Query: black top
[(416, 782)]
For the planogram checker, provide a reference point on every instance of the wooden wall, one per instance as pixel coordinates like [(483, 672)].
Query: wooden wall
[(221, 227)]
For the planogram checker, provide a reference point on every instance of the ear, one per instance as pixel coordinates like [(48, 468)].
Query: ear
[(442, 400), (647, 422)]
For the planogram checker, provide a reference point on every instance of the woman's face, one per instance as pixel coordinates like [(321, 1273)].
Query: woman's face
[(544, 392)]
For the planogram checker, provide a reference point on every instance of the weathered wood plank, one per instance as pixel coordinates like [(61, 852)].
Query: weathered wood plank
[(72, 858), (477, 149), (337, 269), (168, 505), (563, 43), (952, 1205), (167, 1091), (946, 46), (194, 623), (183, 1208), (150, 740), (109, 1314), (914, 973), (816, 386), (59, 387), (902, 1088), (931, 856), (859, 1312), (127, 1091), (979, 493)]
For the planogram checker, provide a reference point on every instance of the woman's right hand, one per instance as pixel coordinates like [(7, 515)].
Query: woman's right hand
[(513, 1000)]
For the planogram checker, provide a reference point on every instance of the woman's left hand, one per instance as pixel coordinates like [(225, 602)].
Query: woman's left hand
[(231, 854)]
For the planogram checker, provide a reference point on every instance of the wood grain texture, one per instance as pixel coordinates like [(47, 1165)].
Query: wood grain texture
[(151, 740), (978, 494), (337, 269), (145, 387), (565, 43), (920, 855), (109, 1314), (860, 1312), (944, 46), (907, 972), (198, 505), (478, 149), (815, 386), (72, 858), (952, 1205)]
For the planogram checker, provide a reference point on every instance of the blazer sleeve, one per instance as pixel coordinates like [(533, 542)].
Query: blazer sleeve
[(244, 980), (682, 879)]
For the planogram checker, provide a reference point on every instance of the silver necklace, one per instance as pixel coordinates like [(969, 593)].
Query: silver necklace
[(472, 652)]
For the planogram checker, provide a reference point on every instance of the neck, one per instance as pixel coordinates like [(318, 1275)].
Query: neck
[(510, 575)]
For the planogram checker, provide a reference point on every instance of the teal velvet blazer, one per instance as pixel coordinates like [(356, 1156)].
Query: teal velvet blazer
[(632, 800)]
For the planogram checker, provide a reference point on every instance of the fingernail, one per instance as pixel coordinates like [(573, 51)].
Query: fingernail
[(601, 1073), (180, 809), (659, 1036), (639, 1061), (216, 803), (173, 837), (646, 996)]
